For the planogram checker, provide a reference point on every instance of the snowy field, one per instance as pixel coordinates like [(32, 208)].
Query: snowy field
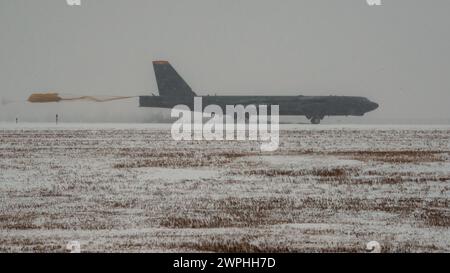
[(131, 188)]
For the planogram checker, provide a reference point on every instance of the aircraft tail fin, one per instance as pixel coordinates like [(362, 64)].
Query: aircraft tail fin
[(170, 83)]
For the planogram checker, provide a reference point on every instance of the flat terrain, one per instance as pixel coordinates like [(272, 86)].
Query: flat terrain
[(119, 188)]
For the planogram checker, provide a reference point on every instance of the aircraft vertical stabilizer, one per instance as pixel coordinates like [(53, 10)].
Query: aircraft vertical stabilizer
[(170, 83)]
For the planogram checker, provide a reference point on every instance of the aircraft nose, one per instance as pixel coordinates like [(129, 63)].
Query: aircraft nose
[(372, 106)]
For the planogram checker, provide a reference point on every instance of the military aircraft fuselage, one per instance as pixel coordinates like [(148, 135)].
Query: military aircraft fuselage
[(309, 106), (173, 91)]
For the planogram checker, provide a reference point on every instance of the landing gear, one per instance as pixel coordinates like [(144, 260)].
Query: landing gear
[(316, 120)]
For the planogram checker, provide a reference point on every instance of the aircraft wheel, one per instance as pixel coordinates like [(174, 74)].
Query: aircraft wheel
[(315, 120)]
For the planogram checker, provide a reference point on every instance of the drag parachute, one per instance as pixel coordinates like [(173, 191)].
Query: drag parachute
[(56, 97)]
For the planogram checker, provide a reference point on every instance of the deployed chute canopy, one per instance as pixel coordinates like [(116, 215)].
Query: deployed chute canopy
[(44, 97)]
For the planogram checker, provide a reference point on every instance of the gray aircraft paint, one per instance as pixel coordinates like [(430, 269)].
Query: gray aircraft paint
[(174, 91)]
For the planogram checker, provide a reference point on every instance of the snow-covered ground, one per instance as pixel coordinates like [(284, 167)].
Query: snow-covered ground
[(130, 187)]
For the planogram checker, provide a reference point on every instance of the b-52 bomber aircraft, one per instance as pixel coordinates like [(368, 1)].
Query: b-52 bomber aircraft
[(173, 90)]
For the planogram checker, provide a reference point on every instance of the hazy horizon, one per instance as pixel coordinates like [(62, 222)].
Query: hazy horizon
[(396, 54)]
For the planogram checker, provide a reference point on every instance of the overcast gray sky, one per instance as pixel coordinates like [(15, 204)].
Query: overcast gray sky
[(396, 54)]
